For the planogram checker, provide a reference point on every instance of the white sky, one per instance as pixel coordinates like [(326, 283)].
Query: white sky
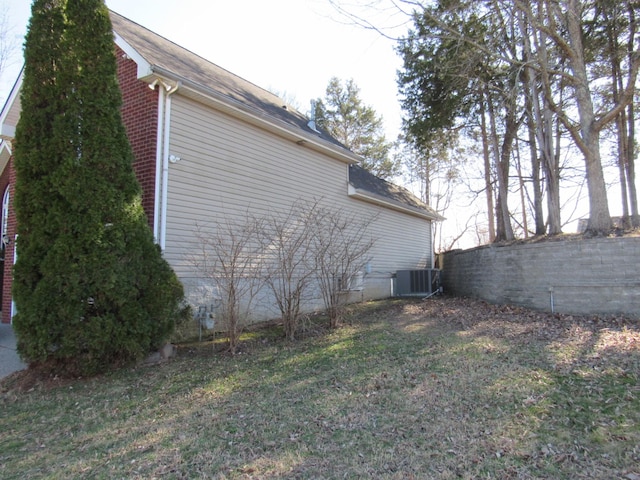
[(291, 47)]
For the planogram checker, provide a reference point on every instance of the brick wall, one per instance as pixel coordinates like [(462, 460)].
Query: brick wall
[(599, 276), (8, 178), (139, 114)]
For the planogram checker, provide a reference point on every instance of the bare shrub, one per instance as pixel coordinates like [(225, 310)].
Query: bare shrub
[(288, 268), (310, 246), (340, 242), (229, 256)]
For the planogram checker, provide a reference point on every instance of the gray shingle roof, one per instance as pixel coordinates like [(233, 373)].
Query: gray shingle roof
[(164, 55), (364, 181)]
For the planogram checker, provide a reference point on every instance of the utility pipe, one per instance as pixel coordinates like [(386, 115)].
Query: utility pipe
[(159, 143), (165, 164)]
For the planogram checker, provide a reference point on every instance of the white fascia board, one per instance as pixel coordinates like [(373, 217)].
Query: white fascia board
[(144, 67), (5, 148), (7, 132), (383, 202)]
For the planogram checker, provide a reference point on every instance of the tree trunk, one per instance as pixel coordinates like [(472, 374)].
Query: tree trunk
[(631, 171), (502, 177), (621, 127), (620, 122), (542, 100), (523, 202), (504, 231), (599, 217), (487, 171), (551, 167), (588, 138), (534, 123), (535, 175), (631, 144)]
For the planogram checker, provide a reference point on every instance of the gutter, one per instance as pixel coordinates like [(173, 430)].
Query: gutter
[(165, 166), (162, 160), (369, 197), (159, 144)]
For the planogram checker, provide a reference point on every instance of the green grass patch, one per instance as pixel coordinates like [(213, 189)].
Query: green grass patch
[(438, 389)]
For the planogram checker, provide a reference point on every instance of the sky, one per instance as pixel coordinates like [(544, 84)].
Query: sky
[(290, 47)]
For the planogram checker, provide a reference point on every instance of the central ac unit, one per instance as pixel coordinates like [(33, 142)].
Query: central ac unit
[(417, 283)]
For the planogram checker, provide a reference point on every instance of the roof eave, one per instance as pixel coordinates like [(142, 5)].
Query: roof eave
[(7, 131), (144, 67), (149, 72), (370, 197), (210, 97)]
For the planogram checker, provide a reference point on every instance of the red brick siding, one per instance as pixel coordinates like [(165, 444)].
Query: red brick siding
[(8, 177), (140, 117)]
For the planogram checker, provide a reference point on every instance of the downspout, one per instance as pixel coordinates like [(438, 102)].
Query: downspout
[(159, 143), (165, 165)]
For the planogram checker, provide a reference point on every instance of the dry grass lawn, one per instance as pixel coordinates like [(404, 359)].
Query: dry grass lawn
[(445, 388)]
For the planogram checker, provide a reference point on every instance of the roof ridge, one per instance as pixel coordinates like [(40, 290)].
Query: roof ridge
[(177, 45)]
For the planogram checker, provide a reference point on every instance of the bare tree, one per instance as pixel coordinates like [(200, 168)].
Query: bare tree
[(537, 87), (286, 244), (563, 24), (341, 243), (555, 50), (619, 21), (230, 258), (8, 45)]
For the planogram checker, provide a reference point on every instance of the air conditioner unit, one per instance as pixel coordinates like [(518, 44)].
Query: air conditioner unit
[(417, 283)]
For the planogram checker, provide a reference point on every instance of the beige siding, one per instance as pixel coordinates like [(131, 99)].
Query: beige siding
[(228, 167)]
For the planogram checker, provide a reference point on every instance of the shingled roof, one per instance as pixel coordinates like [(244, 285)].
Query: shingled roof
[(367, 186), (166, 58)]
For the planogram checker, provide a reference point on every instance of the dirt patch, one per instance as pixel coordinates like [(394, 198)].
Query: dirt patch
[(513, 322)]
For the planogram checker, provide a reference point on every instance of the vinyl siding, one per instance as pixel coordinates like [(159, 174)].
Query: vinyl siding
[(228, 167)]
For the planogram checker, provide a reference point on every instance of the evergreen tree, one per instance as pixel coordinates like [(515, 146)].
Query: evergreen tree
[(91, 287), (357, 126)]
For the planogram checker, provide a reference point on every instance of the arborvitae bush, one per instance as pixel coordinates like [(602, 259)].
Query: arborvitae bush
[(91, 288)]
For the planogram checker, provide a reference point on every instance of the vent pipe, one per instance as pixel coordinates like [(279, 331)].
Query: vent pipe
[(312, 117)]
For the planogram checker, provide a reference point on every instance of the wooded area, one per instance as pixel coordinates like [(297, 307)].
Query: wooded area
[(532, 83), (519, 102)]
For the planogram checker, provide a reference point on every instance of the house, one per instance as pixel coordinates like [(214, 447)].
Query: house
[(209, 144)]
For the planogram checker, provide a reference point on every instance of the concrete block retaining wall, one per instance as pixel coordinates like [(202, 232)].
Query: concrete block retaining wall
[(582, 276)]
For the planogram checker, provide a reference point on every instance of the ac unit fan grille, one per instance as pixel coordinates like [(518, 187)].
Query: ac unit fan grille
[(417, 282)]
